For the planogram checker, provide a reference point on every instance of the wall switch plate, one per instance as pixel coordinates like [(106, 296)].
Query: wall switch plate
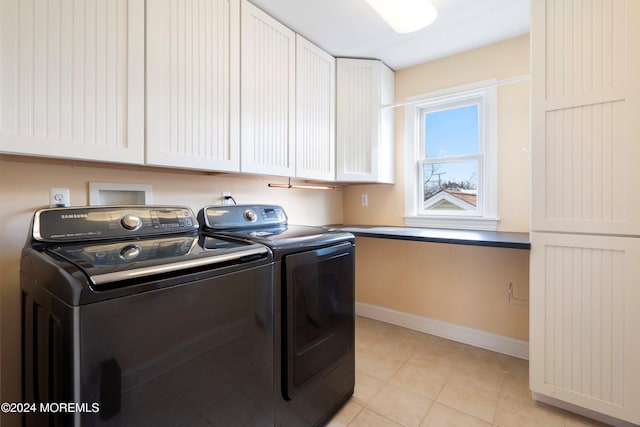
[(364, 200), (59, 197)]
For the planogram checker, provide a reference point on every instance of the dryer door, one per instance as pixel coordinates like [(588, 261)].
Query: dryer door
[(319, 339)]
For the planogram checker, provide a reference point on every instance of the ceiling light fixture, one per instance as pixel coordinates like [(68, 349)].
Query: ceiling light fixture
[(405, 16)]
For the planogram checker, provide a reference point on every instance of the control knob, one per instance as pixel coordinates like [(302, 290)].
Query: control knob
[(131, 222), (250, 215)]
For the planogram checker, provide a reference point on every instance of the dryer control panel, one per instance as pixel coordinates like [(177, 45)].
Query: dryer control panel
[(228, 217), (110, 222)]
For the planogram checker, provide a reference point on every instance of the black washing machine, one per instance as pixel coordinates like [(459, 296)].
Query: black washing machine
[(131, 317), (314, 288)]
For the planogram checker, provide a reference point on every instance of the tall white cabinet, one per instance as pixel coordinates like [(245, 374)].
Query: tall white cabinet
[(72, 79), (585, 275), (364, 140), (268, 51), (193, 84)]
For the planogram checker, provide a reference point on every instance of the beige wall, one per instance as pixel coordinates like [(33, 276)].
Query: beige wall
[(24, 187), (501, 60), (463, 285)]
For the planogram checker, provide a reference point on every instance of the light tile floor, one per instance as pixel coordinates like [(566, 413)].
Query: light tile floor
[(407, 378)]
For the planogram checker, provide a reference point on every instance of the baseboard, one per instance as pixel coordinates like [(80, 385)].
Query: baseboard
[(463, 334), (583, 411)]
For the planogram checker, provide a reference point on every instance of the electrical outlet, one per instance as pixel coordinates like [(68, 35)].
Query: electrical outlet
[(59, 197), (226, 198), (364, 200)]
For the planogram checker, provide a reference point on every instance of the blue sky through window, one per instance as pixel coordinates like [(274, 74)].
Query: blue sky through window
[(452, 132)]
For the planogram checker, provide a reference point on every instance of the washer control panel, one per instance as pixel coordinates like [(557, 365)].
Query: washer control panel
[(105, 222), (228, 217)]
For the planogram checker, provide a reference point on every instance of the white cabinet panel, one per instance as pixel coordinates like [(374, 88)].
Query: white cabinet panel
[(586, 104), (585, 326), (72, 79), (586, 171), (585, 50), (193, 84), (315, 112), (364, 140), (267, 94)]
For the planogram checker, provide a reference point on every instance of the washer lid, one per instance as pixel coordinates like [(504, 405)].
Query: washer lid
[(106, 263)]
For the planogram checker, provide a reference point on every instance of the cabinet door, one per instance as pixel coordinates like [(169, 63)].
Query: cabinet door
[(267, 94), (364, 138), (315, 112), (72, 79), (585, 323), (585, 109), (193, 84)]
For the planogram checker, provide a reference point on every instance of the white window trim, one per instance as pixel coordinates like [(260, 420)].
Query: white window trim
[(486, 218)]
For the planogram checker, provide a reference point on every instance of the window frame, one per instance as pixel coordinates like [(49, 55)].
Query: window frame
[(483, 94)]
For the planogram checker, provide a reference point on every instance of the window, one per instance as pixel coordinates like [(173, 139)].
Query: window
[(452, 143)]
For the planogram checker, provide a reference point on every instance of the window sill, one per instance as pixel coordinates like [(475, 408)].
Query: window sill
[(456, 223)]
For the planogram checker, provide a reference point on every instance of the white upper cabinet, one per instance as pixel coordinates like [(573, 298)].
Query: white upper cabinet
[(72, 79), (192, 76), (364, 140), (585, 127), (226, 88), (315, 112), (268, 80)]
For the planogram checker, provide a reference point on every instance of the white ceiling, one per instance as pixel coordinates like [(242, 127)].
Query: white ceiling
[(352, 28)]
